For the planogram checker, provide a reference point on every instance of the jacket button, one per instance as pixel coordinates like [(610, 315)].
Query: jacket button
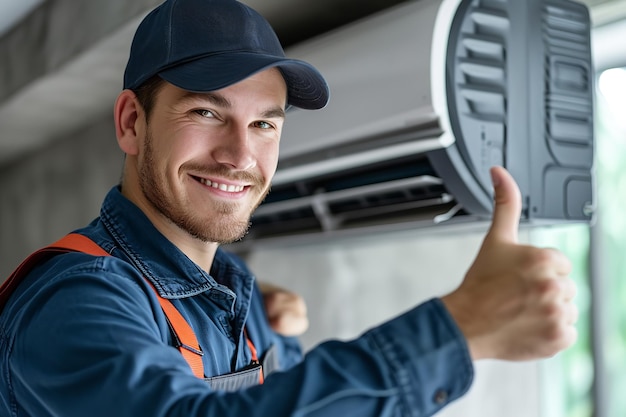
[(441, 396)]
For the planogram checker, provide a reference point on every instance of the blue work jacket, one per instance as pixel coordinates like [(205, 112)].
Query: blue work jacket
[(85, 336)]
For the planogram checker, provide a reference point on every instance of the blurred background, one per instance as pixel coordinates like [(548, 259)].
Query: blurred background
[(61, 66)]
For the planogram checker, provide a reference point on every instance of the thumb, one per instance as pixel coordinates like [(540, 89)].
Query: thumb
[(508, 206)]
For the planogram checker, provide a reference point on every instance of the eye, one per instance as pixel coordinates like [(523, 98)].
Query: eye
[(263, 125), (204, 113)]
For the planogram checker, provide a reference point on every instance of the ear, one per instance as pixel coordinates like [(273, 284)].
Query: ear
[(128, 113)]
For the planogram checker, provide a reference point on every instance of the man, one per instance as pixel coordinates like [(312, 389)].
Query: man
[(199, 119)]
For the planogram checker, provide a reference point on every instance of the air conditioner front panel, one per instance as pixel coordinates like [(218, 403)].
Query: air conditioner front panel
[(379, 75), (425, 98), (519, 93)]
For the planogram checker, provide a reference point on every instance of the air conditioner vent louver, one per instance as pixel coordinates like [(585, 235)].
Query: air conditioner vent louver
[(477, 88), (391, 190), (568, 77)]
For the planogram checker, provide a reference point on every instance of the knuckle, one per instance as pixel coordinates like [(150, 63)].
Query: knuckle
[(570, 313), (300, 305), (552, 312), (546, 288), (546, 261), (555, 334), (531, 258), (570, 288), (574, 313), (542, 257), (559, 335), (557, 312), (562, 337)]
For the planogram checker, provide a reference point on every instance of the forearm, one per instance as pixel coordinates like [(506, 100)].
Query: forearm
[(413, 365)]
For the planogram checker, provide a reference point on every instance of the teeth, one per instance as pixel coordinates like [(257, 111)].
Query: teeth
[(222, 187)]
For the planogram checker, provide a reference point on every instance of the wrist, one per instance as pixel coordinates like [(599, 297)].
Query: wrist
[(461, 314)]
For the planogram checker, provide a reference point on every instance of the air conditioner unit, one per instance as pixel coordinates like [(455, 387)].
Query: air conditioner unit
[(425, 98)]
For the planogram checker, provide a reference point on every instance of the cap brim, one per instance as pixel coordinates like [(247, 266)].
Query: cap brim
[(306, 88)]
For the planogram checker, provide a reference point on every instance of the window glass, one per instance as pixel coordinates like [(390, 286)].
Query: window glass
[(567, 386), (610, 250)]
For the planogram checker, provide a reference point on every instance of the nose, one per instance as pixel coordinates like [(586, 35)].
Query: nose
[(234, 148)]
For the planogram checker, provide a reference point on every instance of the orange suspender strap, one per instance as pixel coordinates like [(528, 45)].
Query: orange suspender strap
[(69, 243), (187, 341), (253, 354), (74, 242)]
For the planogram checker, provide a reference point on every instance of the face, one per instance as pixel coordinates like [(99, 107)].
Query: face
[(206, 160)]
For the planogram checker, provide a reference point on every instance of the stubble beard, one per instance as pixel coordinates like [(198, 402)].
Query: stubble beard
[(222, 224)]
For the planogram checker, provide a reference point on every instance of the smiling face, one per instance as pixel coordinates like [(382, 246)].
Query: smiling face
[(202, 162)]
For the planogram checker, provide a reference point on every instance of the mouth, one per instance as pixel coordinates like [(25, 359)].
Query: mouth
[(229, 188)]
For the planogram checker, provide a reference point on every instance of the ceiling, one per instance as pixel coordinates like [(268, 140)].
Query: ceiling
[(12, 11), (66, 57)]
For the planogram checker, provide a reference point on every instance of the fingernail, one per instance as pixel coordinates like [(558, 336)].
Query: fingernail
[(495, 179)]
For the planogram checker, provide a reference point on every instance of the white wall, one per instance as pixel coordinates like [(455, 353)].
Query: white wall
[(351, 285)]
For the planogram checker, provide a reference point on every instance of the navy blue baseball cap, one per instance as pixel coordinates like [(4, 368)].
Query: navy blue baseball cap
[(206, 45)]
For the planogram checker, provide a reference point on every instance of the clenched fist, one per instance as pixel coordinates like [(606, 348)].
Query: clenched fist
[(286, 311)]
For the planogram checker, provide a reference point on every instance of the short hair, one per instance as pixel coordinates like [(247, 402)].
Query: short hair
[(146, 93)]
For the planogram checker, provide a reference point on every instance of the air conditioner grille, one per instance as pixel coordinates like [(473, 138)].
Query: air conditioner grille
[(569, 106), (478, 86), (381, 193)]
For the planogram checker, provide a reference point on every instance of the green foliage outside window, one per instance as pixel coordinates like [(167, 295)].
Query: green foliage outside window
[(567, 389)]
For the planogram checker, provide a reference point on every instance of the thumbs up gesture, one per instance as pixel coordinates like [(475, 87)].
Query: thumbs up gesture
[(515, 302)]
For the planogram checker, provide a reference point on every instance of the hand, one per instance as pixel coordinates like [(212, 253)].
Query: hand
[(515, 302), (286, 311)]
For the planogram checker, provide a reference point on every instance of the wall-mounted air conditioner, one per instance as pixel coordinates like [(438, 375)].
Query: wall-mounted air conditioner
[(425, 97)]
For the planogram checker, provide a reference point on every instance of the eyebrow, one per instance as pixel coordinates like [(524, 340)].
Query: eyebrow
[(221, 101)]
